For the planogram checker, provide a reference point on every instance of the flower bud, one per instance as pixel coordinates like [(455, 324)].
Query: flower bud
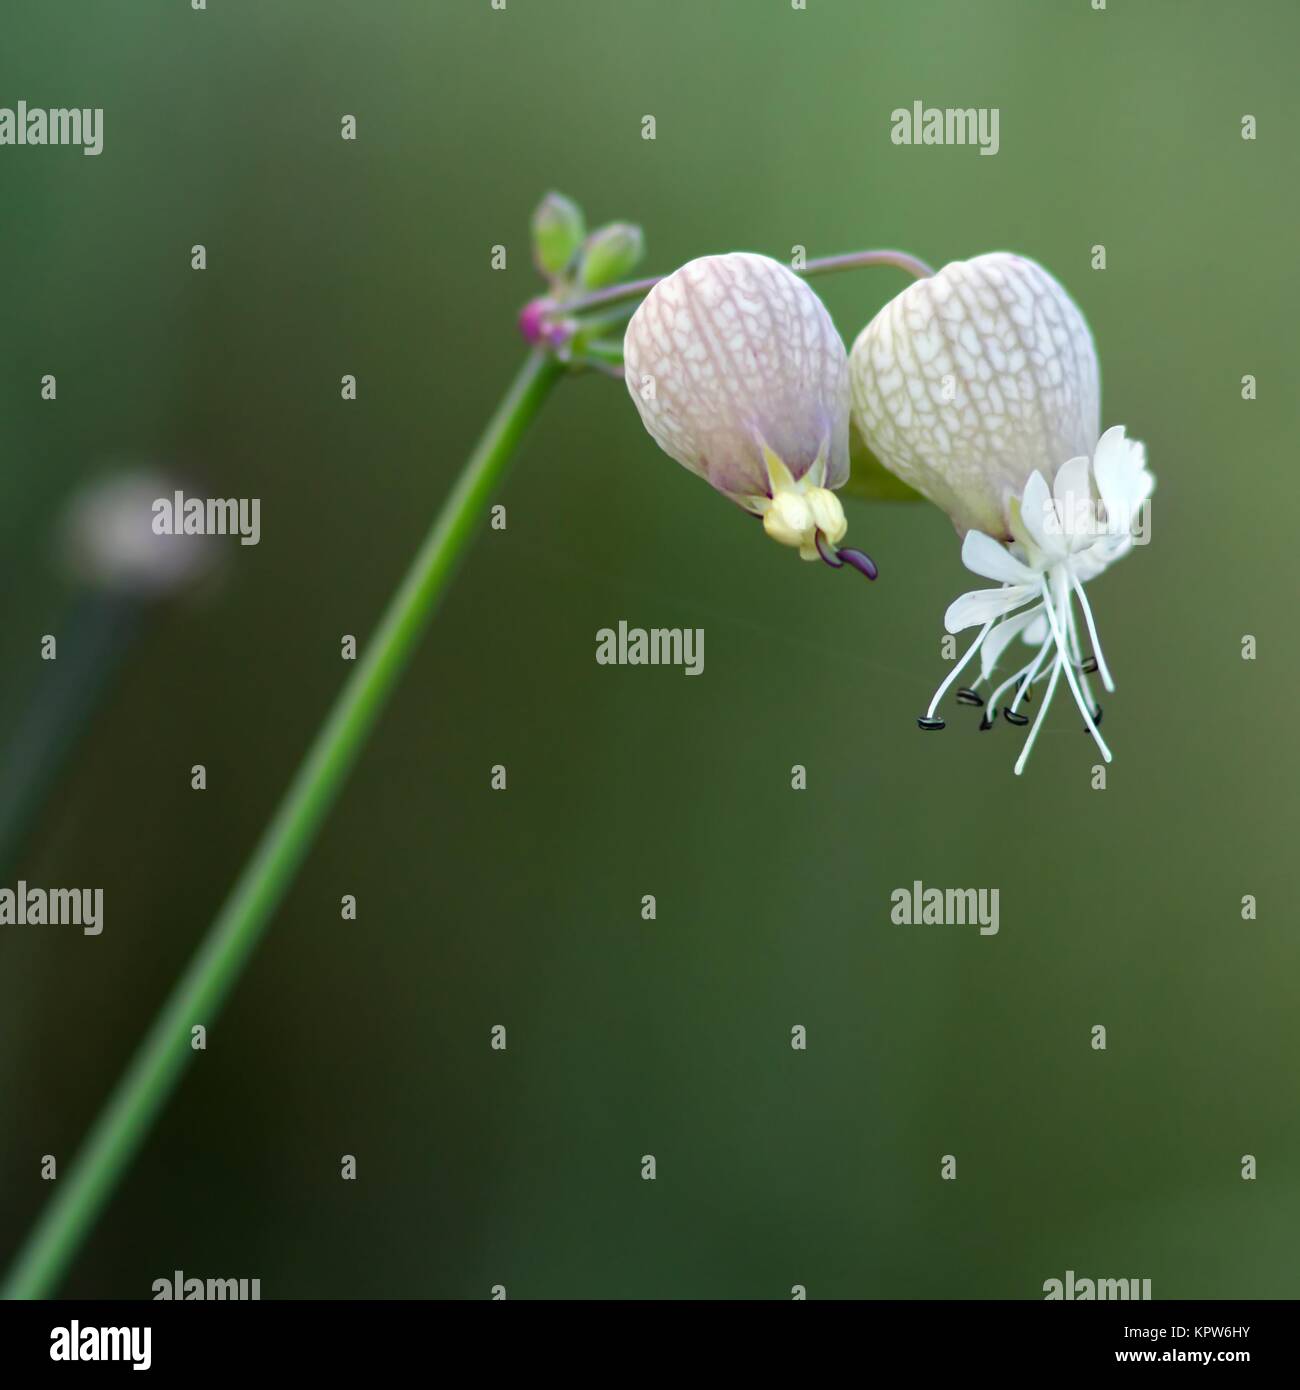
[(739, 374), (558, 229), (532, 318), (971, 380), (610, 254)]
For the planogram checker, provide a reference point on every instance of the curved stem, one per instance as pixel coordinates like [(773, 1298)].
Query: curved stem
[(198, 994), (828, 265), (605, 356), (857, 260)]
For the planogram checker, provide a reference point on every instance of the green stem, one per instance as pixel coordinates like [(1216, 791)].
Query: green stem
[(196, 997)]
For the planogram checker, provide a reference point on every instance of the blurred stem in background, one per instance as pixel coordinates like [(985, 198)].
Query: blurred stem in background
[(199, 993), (96, 639), (123, 573)]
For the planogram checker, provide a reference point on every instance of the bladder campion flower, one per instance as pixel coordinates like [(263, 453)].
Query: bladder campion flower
[(740, 375), (979, 388)]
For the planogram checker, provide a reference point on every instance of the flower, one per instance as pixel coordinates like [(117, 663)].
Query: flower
[(740, 375), (979, 388), (107, 537)]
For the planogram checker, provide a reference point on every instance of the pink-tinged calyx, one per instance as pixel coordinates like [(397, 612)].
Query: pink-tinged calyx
[(739, 374), (973, 379)]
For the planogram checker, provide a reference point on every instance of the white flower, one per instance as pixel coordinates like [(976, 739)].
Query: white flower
[(979, 388), (108, 538), (739, 374)]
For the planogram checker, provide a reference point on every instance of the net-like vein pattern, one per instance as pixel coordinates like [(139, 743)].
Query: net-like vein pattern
[(971, 379), (738, 351)]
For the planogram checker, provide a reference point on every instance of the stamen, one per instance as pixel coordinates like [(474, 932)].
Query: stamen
[(837, 559), (1030, 677), (1061, 660), (1068, 665), (927, 723), (1019, 720), (986, 723), (1011, 680), (1089, 667), (1079, 664), (860, 561), (966, 696), (955, 672), (1092, 635)]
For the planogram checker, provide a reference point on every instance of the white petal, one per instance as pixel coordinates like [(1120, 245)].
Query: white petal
[(1119, 466), (1071, 481), (977, 607), (1005, 632), (984, 556), (1103, 553), (733, 352), (1038, 516), (1036, 632), (970, 380), (1075, 506)]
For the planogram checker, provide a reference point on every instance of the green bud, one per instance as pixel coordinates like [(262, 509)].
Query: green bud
[(609, 254), (558, 229)]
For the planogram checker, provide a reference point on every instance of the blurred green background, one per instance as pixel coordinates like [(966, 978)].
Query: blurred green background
[(478, 908)]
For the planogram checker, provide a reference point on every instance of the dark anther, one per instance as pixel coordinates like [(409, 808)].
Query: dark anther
[(1025, 692), (986, 722), (1015, 717), (925, 722), (1096, 720), (861, 562), (837, 559), (966, 696), (1089, 667)]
